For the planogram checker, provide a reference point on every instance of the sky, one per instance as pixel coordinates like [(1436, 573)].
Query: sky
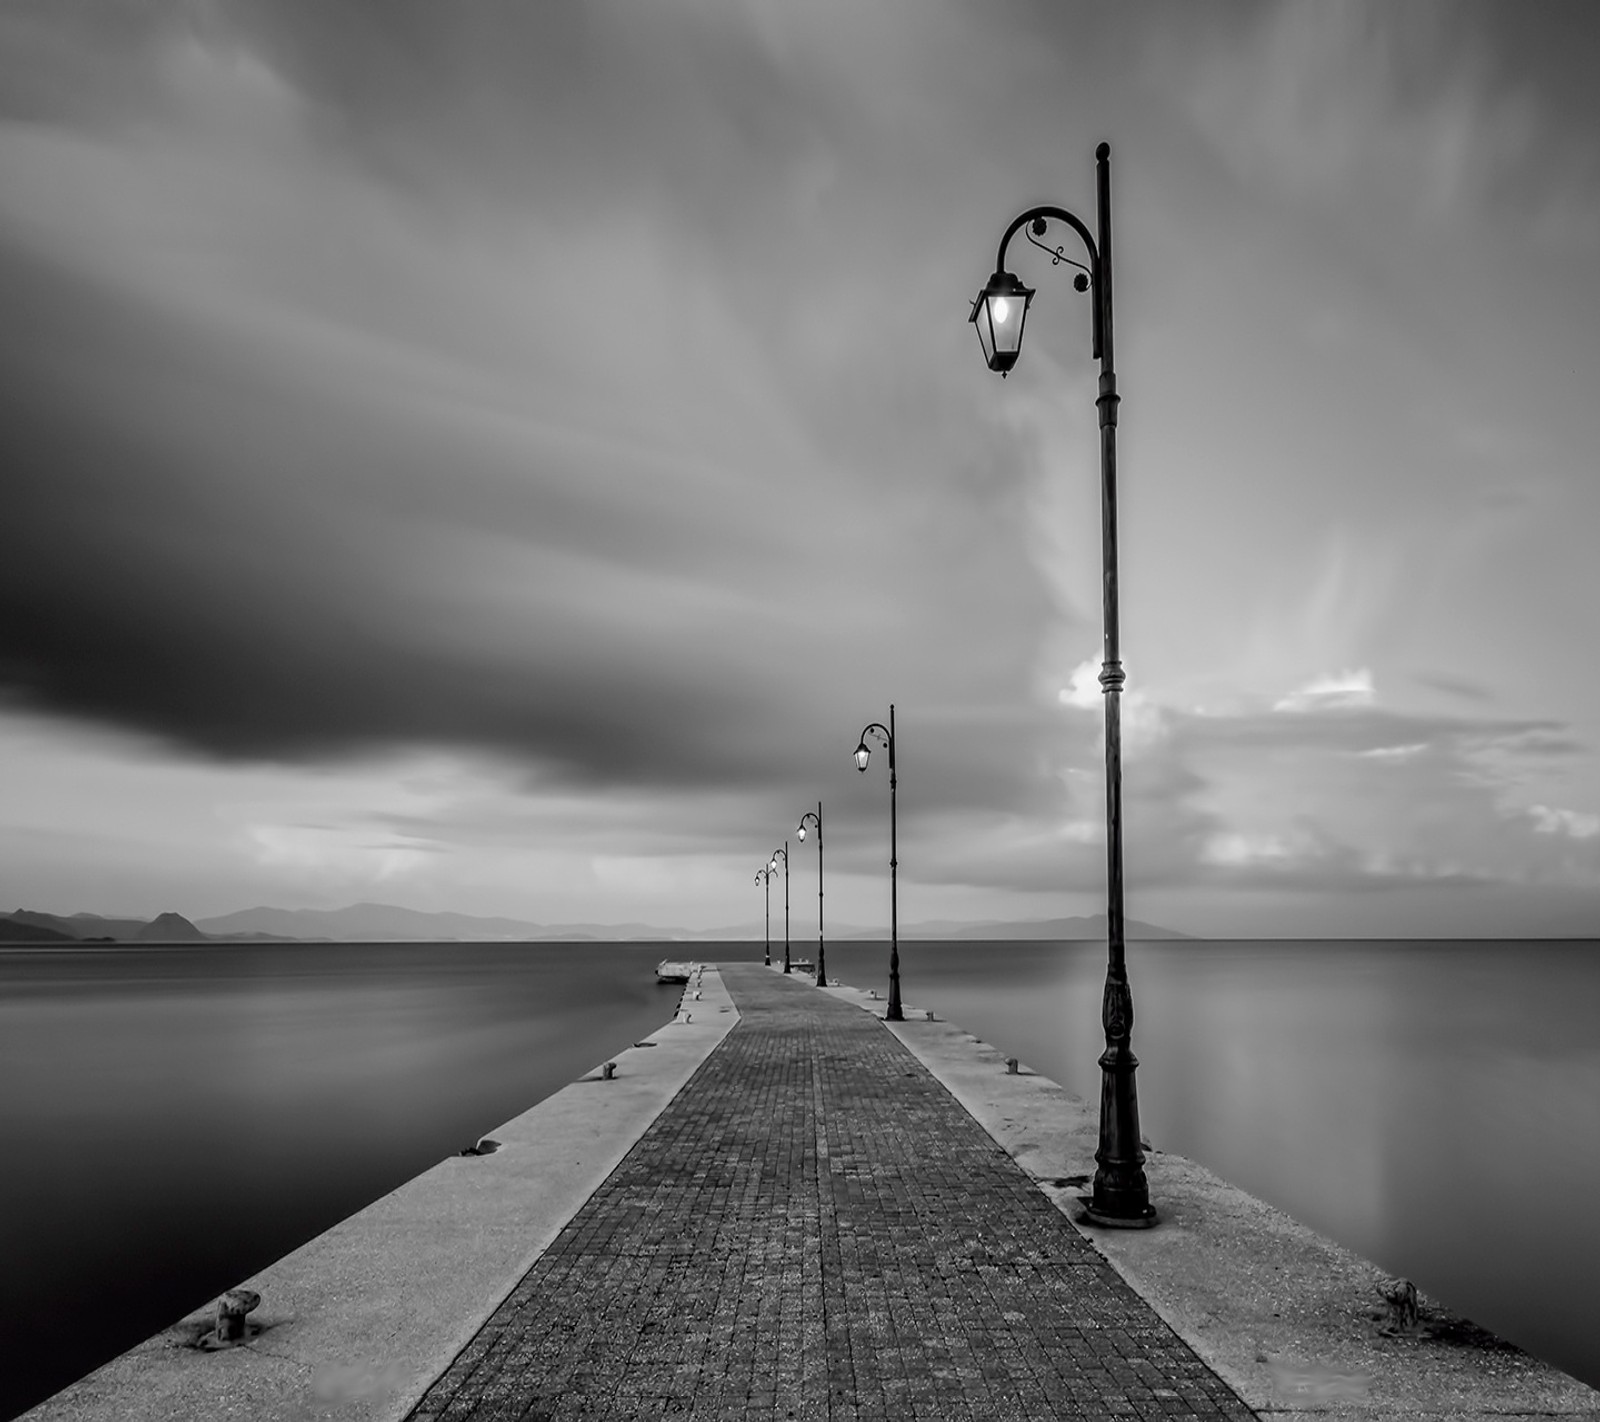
[(497, 456)]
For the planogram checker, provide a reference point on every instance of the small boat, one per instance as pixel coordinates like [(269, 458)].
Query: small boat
[(668, 971)]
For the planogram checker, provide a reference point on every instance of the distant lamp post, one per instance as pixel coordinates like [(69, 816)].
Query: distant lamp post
[(884, 735), (783, 854), (1121, 1195), (816, 819), (764, 876)]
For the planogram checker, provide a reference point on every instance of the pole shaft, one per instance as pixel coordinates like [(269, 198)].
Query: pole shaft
[(1121, 1193), (895, 1013), (822, 961)]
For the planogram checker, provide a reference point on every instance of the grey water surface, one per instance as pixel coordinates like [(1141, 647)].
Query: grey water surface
[(174, 1118)]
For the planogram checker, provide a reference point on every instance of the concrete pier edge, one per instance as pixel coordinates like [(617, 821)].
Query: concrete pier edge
[(358, 1322), (1287, 1317)]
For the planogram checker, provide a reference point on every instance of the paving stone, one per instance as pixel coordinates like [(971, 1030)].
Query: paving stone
[(815, 1229)]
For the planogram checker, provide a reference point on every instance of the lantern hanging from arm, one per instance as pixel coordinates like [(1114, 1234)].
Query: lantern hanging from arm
[(998, 313)]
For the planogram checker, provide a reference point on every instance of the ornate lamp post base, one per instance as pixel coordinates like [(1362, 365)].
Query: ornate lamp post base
[(1121, 1198), (1145, 1221)]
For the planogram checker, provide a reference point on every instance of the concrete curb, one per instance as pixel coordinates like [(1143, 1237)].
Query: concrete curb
[(357, 1323), (1288, 1318)]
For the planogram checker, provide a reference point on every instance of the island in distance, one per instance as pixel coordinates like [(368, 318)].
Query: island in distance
[(387, 923)]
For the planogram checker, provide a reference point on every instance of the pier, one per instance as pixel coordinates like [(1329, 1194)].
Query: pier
[(782, 1206)]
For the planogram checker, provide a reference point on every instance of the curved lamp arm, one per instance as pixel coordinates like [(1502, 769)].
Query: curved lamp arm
[(884, 737), (1035, 219), (1000, 309)]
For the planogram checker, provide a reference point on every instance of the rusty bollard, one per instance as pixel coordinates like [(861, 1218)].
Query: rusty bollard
[(1011, 1066), (608, 1071), (232, 1308), (1401, 1296)]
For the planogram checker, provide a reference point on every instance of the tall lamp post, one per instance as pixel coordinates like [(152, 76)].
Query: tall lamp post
[(764, 876), (884, 735), (1121, 1195), (773, 864), (816, 819)]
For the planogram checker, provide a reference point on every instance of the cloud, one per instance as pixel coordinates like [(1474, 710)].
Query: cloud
[(1338, 689), (1575, 824), (1241, 849), (1414, 104), (1457, 686), (1345, 796), (367, 427)]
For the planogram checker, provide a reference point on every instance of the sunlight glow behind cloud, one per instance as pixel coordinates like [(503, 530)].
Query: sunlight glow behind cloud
[(1351, 688)]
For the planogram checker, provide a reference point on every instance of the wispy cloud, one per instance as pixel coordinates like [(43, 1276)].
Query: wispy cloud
[(1350, 688), (1324, 101)]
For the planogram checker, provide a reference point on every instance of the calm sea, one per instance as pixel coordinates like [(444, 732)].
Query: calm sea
[(173, 1119)]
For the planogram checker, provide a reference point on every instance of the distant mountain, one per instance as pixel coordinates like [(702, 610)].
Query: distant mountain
[(13, 931), (81, 925), (386, 923), (169, 928)]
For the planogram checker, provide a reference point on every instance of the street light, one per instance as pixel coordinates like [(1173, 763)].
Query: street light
[(773, 864), (1121, 1194), (764, 876), (885, 736), (816, 819)]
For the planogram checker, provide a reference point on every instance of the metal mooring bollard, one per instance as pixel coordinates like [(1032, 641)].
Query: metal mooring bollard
[(930, 1014), (231, 1310), (608, 1071), (1011, 1066)]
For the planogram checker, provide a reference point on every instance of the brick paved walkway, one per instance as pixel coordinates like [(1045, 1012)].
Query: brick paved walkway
[(815, 1228)]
